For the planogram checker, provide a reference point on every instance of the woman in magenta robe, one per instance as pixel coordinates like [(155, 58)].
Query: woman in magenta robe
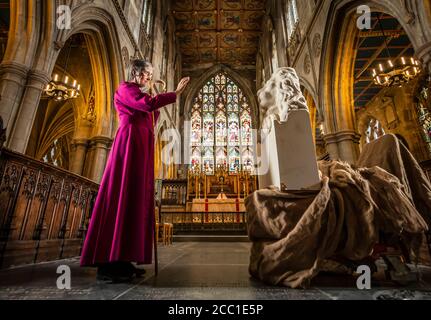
[(122, 223)]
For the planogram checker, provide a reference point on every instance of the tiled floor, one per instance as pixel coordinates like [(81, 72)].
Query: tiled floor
[(193, 271)]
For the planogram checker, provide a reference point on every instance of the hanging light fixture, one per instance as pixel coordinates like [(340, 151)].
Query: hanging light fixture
[(63, 88), (395, 72)]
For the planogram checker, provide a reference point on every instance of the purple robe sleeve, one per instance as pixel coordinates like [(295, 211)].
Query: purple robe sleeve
[(131, 96)]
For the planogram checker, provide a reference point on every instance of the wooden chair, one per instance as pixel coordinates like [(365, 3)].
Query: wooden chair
[(171, 233), (168, 231), (157, 220)]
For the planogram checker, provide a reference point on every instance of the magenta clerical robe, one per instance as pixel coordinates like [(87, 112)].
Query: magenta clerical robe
[(122, 223)]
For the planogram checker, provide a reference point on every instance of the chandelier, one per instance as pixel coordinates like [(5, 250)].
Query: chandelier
[(63, 88), (395, 72)]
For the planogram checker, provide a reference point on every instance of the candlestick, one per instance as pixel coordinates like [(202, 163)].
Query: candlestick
[(205, 186)]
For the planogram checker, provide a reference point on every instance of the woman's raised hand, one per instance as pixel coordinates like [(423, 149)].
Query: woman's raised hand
[(182, 85)]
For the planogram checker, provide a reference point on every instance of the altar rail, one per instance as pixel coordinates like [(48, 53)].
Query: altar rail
[(216, 222), (44, 210)]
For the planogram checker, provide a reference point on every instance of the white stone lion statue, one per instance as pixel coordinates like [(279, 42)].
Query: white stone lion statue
[(280, 95)]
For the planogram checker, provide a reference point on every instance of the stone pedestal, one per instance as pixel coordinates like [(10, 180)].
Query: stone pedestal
[(291, 154), (288, 155)]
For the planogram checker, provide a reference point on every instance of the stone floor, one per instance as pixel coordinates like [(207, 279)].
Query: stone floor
[(195, 271)]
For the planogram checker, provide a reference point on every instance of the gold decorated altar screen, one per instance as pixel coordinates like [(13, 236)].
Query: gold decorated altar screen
[(208, 201), (219, 195)]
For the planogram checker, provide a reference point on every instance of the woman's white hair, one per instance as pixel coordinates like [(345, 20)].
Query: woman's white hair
[(137, 66)]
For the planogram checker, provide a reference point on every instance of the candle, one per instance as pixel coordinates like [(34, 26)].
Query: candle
[(238, 185)]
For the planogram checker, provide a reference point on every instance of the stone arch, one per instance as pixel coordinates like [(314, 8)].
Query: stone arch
[(98, 27), (311, 91), (24, 32), (268, 45), (336, 84), (260, 71), (105, 54), (199, 83), (316, 117), (423, 9), (61, 123), (17, 76)]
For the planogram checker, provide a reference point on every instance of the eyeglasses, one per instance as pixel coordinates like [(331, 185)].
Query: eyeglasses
[(145, 73)]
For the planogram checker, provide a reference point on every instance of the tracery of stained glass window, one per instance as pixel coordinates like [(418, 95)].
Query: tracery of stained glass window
[(221, 127), (147, 15), (58, 153), (424, 116), (374, 130), (292, 17)]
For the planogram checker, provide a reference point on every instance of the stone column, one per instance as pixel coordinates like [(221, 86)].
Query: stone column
[(348, 145), (12, 83), (100, 147), (331, 146), (21, 129), (343, 145), (79, 147), (424, 55)]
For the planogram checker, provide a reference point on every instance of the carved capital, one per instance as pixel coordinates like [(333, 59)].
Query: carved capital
[(38, 79), (14, 71), (100, 142), (339, 136), (80, 143)]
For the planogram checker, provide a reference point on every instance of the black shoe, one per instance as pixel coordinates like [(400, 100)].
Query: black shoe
[(129, 267), (116, 272), (139, 272)]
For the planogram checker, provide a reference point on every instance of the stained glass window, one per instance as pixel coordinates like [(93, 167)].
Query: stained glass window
[(221, 127), (374, 130), (424, 116), (292, 17)]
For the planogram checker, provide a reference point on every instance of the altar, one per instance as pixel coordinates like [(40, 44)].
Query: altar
[(217, 205), (221, 191)]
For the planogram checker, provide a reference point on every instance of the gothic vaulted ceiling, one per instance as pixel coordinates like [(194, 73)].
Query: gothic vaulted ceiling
[(218, 31)]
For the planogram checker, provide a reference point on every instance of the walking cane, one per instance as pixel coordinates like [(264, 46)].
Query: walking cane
[(156, 261), (156, 230)]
